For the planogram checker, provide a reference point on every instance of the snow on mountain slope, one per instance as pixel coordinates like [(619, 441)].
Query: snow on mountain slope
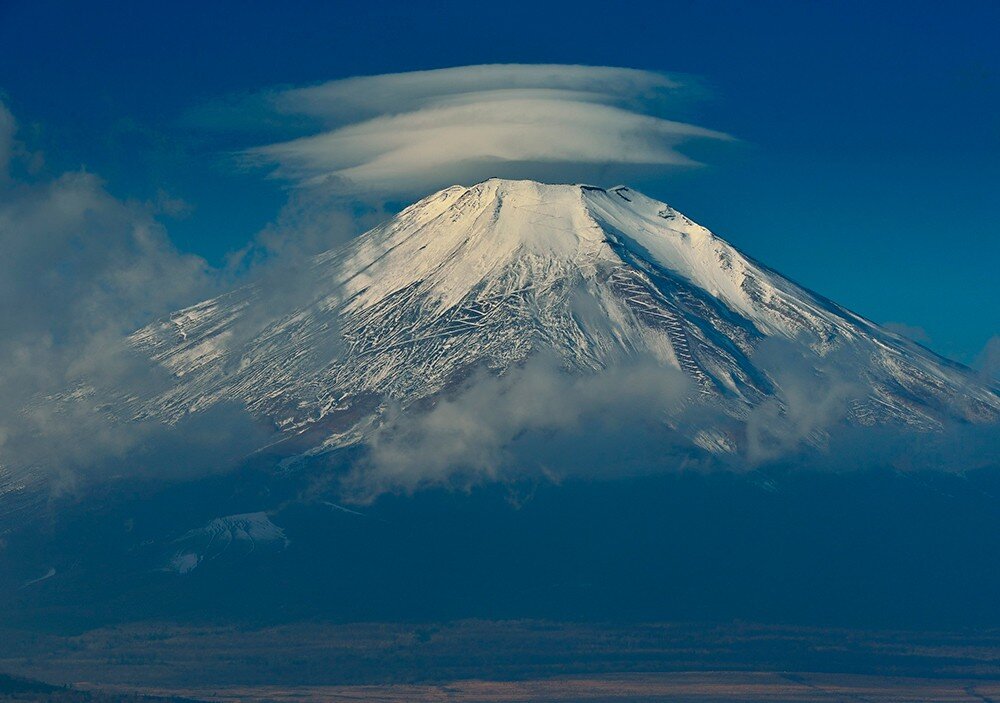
[(231, 536), (488, 276)]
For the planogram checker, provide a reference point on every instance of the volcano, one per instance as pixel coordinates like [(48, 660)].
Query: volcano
[(464, 291), (490, 275)]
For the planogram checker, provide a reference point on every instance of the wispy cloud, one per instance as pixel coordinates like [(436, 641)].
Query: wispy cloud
[(988, 361), (409, 133), (537, 420), (81, 269), (914, 332)]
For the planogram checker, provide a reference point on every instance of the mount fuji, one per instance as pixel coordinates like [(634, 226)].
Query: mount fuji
[(489, 276), (419, 357)]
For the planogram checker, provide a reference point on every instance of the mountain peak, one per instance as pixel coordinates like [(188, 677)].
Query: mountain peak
[(489, 275), (471, 231)]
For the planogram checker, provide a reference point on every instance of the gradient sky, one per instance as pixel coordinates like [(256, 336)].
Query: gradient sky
[(867, 168)]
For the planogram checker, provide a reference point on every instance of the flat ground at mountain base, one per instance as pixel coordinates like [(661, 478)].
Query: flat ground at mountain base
[(537, 660), (664, 688)]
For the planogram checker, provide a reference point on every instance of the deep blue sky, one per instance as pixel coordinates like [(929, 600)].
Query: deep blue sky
[(868, 168)]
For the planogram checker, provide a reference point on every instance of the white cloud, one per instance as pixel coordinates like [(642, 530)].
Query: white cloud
[(367, 96), (537, 420), (408, 133), (811, 401), (80, 269)]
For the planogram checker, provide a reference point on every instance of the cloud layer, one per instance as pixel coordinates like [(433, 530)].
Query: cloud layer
[(81, 269), (410, 133), (537, 420)]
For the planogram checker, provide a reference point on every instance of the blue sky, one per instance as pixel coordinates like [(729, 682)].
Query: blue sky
[(866, 166)]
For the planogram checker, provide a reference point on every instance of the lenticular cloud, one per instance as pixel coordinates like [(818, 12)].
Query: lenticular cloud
[(411, 132)]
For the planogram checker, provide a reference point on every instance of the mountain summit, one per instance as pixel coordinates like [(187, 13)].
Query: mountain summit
[(489, 275)]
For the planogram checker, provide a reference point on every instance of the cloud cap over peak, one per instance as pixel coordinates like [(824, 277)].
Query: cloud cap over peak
[(368, 96), (409, 133)]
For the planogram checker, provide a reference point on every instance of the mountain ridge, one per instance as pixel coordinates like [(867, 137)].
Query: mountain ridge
[(492, 274)]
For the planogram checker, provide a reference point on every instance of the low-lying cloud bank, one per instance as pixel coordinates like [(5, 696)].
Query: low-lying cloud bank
[(411, 133), (538, 422), (535, 420), (80, 270)]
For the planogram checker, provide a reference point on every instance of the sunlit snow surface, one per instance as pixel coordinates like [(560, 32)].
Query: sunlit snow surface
[(489, 275)]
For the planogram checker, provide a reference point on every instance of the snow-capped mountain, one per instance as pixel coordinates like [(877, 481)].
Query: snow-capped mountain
[(230, 536), (487, 276)]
